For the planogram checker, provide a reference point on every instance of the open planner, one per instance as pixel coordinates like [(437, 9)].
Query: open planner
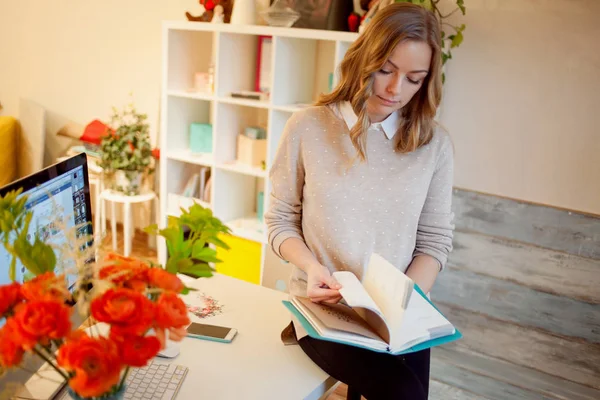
[(387, 312)]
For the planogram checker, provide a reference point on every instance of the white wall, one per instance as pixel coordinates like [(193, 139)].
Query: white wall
[(522, 98), (520, 95)]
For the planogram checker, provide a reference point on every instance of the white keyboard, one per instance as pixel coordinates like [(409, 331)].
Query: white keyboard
[(155, 381)]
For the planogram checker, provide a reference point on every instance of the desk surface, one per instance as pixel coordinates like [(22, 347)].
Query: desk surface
[(256, 365)]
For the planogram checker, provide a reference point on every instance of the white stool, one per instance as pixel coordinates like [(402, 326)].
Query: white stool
[(127, 201)]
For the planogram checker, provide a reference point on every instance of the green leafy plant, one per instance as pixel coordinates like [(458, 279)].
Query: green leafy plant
[(452, 35), (127, 147), (37, 257), (192, 256)]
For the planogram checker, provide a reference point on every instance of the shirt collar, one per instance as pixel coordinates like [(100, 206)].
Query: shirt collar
[(389, 125)]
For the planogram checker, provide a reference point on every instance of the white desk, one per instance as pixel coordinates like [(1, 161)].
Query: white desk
[(256, 365)]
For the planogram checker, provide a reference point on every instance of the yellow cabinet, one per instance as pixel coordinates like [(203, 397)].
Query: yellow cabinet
[(242, 260)]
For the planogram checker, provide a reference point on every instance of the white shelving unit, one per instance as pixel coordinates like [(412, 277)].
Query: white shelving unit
[(301, 63)]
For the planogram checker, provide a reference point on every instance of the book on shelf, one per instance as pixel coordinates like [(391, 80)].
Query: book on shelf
[(386, 312), (198, 185)]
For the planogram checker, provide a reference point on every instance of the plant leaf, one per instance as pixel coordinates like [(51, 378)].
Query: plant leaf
[(457, 39), (184, 264), (218, 242), (197, 270), (151, 229), (172, 264), (205, 253), (187, 290)]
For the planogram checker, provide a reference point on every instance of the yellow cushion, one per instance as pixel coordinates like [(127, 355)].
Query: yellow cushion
[(8, 155)]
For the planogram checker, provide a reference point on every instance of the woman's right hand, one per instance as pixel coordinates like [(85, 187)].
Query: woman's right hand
[(321, 286)]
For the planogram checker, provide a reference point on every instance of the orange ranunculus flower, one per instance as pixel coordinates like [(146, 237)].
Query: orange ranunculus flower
[(125, 271), (160, 278), (126, 261), (136, 351), (9, 296), (127, 311), (46, 286), (95, 362), (11, 352), (124, 276), (171, 311), (136, 284), (40, 321)]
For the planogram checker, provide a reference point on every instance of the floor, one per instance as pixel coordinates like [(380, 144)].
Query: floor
[(529, 310)]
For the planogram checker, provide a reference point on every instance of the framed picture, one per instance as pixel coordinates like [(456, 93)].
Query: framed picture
[(263, 64)]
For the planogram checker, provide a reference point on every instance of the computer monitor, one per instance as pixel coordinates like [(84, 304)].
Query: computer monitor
[(64, 184)]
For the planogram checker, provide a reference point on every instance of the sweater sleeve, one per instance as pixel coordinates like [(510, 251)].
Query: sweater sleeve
[(284, 215), (435, 227)]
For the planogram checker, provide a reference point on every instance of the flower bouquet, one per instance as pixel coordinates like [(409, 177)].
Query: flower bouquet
[(136, 301)]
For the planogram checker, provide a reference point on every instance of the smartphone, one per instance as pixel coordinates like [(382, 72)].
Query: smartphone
[(211, 332)]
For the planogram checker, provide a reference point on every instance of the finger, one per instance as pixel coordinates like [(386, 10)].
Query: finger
[(326, 298), (322, 292), (333, 283), (334, 300)]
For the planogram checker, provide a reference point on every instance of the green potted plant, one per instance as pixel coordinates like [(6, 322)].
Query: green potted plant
[(126, 153)]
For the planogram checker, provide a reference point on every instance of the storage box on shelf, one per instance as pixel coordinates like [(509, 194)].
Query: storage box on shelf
[(296, 66)]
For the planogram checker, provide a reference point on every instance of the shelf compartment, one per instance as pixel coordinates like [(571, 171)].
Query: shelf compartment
[(176, 201), (291, 108), (237, 203), (242, 168), (244, 102), (189, 52), (340, 52), (232, 119), (242, 260), (237, 62), (249, 228), (303, 69), (191, 94), (182, 112), (184, 171), (185, 155)]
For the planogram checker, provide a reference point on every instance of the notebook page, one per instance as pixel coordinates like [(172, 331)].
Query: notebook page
[(336, 317), (421, 322), (354, 293), (389, 288), (356, 296)]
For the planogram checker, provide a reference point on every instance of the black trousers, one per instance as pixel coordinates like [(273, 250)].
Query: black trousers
[(374, 375)]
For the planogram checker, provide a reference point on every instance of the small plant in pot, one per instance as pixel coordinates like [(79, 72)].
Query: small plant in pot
[(126, 151)]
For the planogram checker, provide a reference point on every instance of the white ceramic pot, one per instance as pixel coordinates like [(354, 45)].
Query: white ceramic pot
[(127, 182)]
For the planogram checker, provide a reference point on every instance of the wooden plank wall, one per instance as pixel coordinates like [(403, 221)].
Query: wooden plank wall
[(523, 286)]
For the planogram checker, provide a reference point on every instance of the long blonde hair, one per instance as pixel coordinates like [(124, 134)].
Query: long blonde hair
[(391, 25)]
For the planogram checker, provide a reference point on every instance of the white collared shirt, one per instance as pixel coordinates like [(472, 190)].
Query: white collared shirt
[(389, 125)]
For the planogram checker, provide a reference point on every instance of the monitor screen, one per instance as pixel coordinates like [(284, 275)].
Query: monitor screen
[(63, 186)]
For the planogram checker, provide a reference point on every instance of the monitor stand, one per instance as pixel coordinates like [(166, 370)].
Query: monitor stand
[(170, 351)]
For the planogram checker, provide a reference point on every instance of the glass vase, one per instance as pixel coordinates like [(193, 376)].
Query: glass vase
[(112, 396), (279, 14)]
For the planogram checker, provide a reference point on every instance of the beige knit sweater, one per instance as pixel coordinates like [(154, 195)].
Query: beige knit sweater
[(397, 205)]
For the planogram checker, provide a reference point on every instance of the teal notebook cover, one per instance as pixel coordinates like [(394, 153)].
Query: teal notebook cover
[(421, 346)]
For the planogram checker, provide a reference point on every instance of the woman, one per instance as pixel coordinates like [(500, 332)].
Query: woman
[(366, 170)]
